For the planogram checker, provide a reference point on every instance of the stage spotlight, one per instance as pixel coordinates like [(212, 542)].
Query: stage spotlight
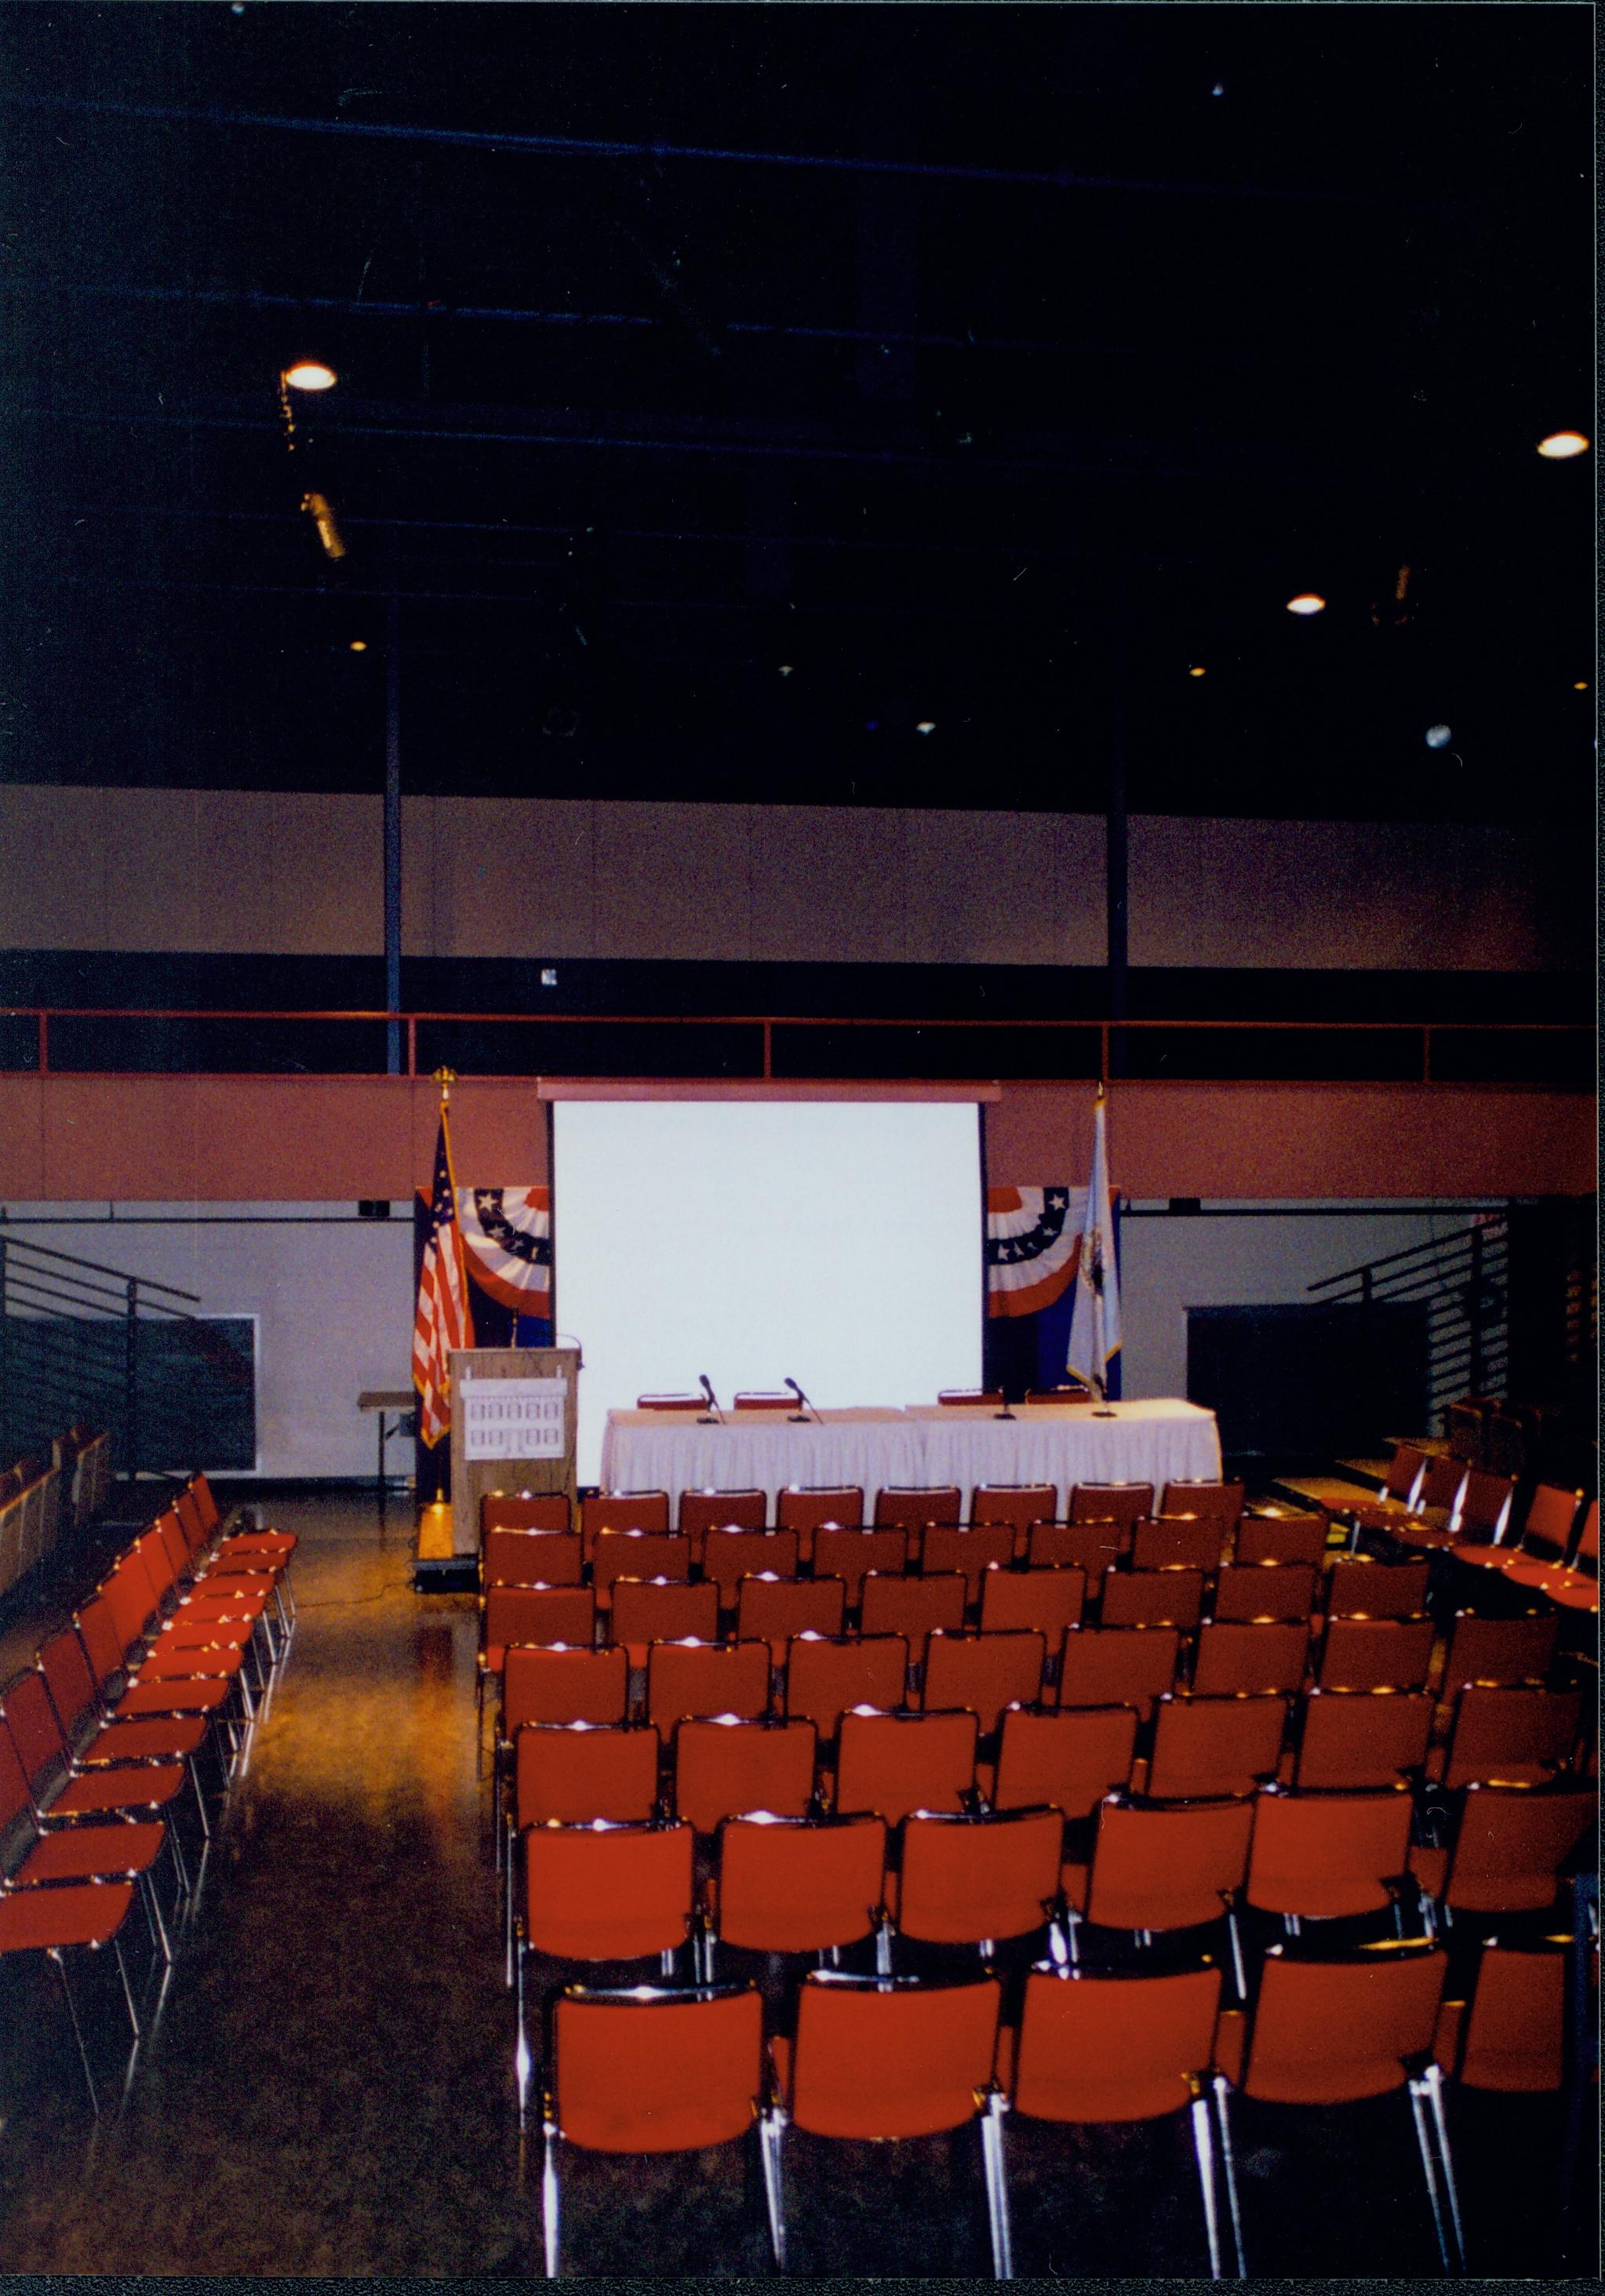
[(310, 374), (1307, 601), (359, 646), (785, 669), (1561, 446), (1581, 686), (1197, 669), (1437, 737), (925, 726), (317, 509)]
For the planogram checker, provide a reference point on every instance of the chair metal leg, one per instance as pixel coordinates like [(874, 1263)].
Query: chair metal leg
[(1418, 2090), (206, 1823), (55, 1954), (520, 2056), (122, 1970), (770, 2127), (1204, 2153), (159, 1928), (997, 2186), (1238, 1976), (1229, 2170), (1434, 2079), (550, 2230)]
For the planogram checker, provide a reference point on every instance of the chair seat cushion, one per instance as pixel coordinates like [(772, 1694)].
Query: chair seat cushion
[(87, 1914), (143, 1742), (78, 1853), (104, 1790), (177, 1695)]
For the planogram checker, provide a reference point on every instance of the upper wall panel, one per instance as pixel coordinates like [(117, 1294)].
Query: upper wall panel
[(292, 873)]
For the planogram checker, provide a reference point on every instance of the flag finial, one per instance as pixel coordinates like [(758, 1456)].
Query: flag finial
[(445, 1079)]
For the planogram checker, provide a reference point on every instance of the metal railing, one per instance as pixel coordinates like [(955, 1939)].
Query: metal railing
[(74, 1345), (1462, 1282), (173, 1040)]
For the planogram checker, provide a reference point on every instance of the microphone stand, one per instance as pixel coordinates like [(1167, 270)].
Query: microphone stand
[(808, 1415), (713, 1417)]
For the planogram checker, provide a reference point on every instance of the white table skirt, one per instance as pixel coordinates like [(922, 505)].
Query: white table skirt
[(1153, 1441)]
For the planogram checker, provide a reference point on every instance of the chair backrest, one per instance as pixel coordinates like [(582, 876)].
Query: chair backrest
[(1056, 1397), (913, 1607), (1051, 1600), (661, 1609), (1088, 1547), (16, 1802), (562, 1686), (1356, 1588), (1019, 1505), (1096, 2048), (1280, 1539), (752, 1399), (890, 2057), (839, 1553), (537, 1614), (1166, 1867), (199, 1491), (1500, 1650), (1170, 1541), (962, 1880), (657, 2072), (779, 1608), (102, 1644), (175, 1544), (1066, 1761), (126, 1587), (1330, 2032), (728, 1555), (1513, 2038), (607, 1892), (1504, 1445), (1360, 1738), (1439, 1491), (984, 1672), (570, 1773), (1511, 1844), (1375, 1653), (1210, 1747), (1551, 1515), (1230, 1656), (1586, 1557), (1118, 1666), (1512, 1735), (1404, 1471), (972, 1398), (1126, 1504), (1464, 1423), (530, 1558), (1483, 1511), (1224, 1502), (1152, 1598), (727, 1768), (620, 1510), (36, 1734), (910, 1505), (1248, 1591), (150, 1550), (806, 1506), (826, 1675), (701, 1512), (522, 1511), (700, 1678), (1327, 1856), (636, 1555), (671, 1403), (894, 1763), (800, 1885), (70, 1679), (971, 1553)]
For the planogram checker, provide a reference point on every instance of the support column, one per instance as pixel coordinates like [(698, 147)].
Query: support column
[(392, 834)]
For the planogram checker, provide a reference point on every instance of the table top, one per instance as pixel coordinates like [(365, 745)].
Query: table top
[(387, 1398), (940, 1415)]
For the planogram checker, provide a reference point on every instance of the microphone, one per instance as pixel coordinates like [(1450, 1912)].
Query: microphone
[(713, 1414), (808, 1409)]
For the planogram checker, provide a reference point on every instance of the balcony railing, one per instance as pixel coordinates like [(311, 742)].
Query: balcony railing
[(63, 1040)]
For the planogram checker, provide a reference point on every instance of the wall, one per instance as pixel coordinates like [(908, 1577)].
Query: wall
[(200, 870), (220, 1138), (333, 1295)]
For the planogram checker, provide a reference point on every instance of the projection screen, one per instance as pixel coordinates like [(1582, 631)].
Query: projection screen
[(839, 1242)]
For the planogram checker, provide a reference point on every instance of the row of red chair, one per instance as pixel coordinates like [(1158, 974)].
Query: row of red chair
[(882, 2058), (805, 1509), (1440, 1504), (98, 1734)]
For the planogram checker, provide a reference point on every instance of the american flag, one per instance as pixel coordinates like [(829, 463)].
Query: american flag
[(442, 1322)]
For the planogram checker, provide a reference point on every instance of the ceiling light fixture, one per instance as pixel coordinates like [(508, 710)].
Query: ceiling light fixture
[(359, 646), (1437, 737), (310, 374), (1581, 686), (1307, 601), (1197, 669), (925, 726), (1561, 446), (785, 669)]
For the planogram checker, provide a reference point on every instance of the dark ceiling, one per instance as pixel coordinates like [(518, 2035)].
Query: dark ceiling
[(1137, 321)]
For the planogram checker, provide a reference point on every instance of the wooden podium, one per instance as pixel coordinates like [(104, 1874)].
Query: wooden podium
[(519, 1439)]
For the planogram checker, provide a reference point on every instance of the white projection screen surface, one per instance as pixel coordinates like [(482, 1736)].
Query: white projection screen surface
[(839, 1242)]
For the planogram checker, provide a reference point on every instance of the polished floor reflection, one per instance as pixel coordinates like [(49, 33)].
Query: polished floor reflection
[(325, 2085)]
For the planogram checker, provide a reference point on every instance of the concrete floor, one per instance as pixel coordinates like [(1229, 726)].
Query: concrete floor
[(324, 2086)]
